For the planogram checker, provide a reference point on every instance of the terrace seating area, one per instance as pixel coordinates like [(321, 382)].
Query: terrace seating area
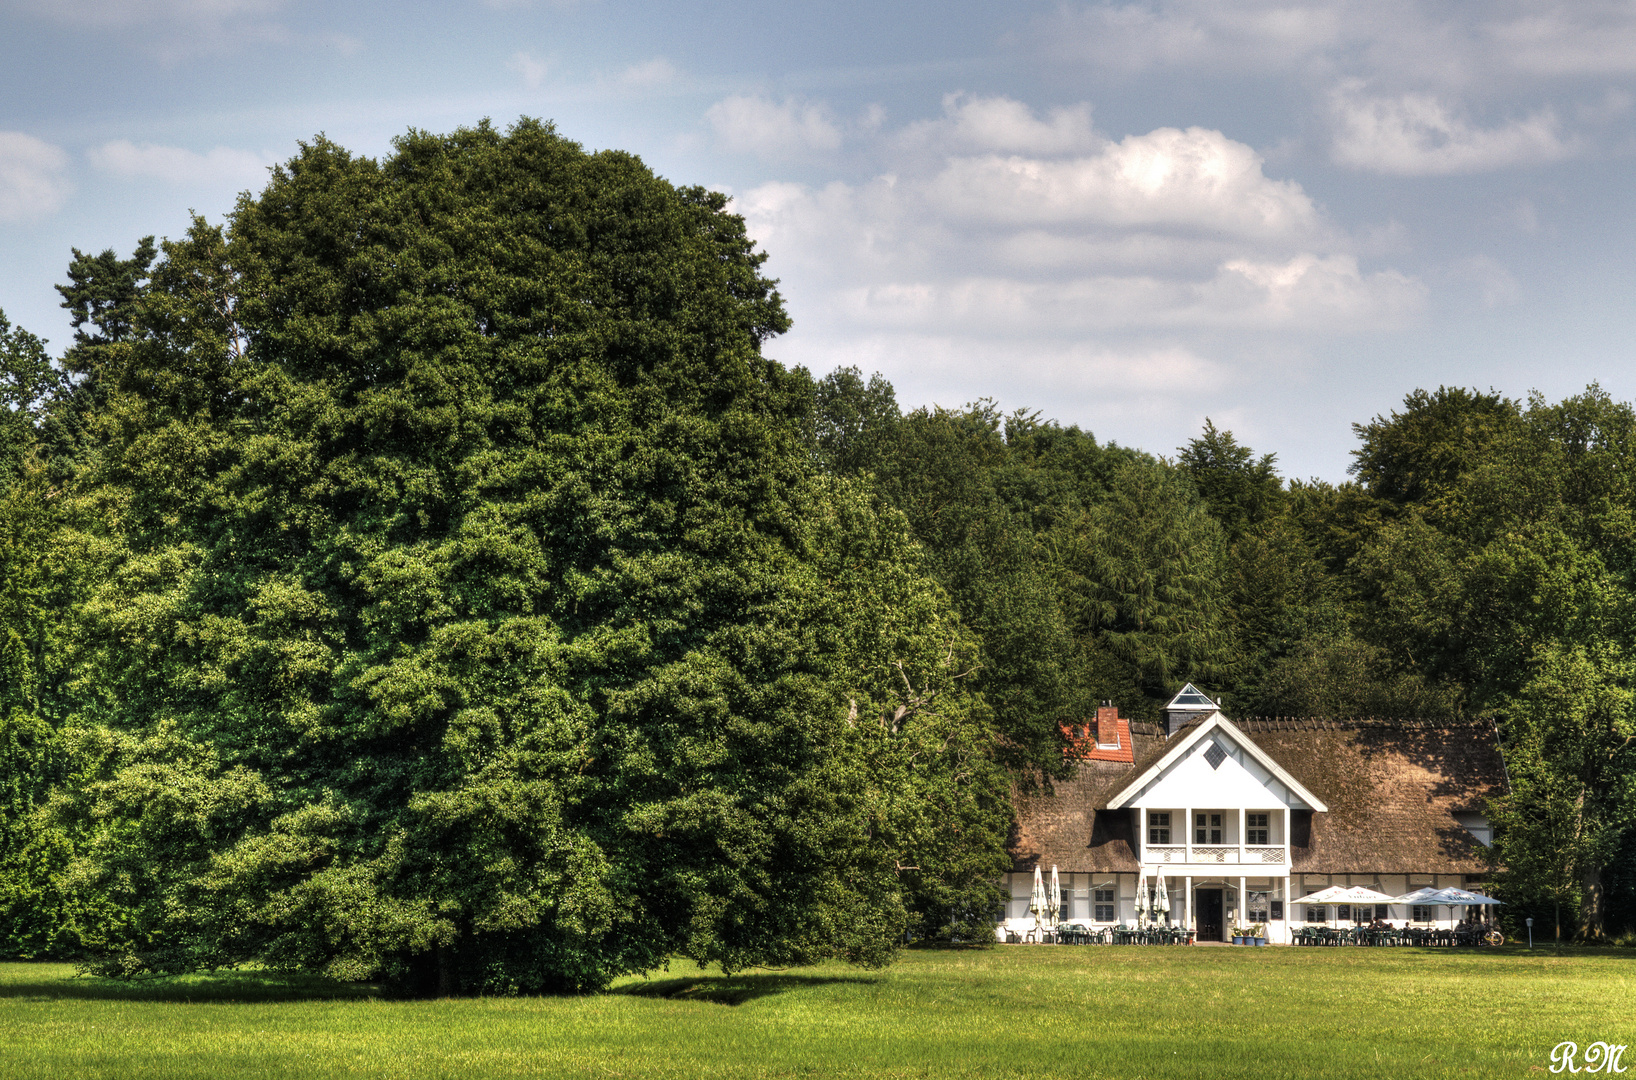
[(1461, 936), (1080, 934)]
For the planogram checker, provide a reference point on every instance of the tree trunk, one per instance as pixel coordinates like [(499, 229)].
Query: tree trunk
[(1592, 905), (447, 985)]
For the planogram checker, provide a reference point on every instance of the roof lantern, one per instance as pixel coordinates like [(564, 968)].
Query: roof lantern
[(1189, 705)]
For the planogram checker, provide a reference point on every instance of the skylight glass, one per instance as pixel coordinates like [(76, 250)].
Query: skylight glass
[(1191, 697)]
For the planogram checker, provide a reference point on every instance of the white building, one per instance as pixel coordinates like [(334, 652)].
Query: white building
[(1241, 818)]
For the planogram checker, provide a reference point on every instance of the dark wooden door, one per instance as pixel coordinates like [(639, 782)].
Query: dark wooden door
[(1208, 902)]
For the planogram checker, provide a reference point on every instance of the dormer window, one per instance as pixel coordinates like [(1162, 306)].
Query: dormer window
[(1207, 828)]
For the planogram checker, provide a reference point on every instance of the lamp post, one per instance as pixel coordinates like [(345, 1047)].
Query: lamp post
[(1530, 922)]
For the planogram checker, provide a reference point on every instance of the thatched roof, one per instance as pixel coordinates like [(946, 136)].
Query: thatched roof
[(1392, 787)]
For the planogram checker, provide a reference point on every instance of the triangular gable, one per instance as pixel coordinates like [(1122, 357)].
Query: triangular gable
[(1211, 730)]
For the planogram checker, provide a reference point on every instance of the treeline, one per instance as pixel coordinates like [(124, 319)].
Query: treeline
[(424, 577), (1482, 562)]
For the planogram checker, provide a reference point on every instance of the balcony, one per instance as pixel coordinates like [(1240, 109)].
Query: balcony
[(1218, 855)]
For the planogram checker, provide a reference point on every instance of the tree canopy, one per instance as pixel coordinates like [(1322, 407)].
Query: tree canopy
[(424, 575)]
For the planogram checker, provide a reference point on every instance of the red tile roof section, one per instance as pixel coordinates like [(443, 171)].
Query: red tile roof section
[(1106, 740)]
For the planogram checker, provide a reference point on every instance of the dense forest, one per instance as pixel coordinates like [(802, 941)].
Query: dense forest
[(424, 576)]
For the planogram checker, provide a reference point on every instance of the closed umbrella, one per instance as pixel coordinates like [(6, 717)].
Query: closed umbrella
[(1056, 898), (1036, 903), (1141, 900), (1161, 901)]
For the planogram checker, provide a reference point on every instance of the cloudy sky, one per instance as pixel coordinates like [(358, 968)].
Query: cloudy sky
[(1282, 215)]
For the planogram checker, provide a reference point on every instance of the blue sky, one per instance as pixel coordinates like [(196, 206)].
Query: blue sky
[(1282, 215)]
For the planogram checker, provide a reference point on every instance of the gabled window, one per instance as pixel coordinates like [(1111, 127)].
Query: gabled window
[(1158, 827), (1207, 828)]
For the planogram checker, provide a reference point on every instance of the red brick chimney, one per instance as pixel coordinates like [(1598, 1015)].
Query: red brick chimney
[(1105, 739)]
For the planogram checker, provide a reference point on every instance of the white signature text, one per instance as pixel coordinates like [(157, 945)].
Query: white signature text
[(1599, 1057)]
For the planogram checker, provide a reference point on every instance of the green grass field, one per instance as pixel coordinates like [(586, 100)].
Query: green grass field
[(1034, 1011)]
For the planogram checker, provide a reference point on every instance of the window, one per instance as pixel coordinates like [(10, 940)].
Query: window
[(1317, 913), (1255, 829), (1277, 910), (1158, 827), (1207, 828), (1421, 913), (1104, 905)]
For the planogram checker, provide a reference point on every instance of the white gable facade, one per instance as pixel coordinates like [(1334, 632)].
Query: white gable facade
[(1211, 813)]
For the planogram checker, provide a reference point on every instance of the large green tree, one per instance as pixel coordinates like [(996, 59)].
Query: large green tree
[(480, 622)]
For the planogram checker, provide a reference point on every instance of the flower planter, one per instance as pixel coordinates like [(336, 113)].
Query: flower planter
[(1238, 941)]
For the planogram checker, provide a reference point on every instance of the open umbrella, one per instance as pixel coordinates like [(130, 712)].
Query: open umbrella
[(1161, 901), (1056, 898), (1422, 895), (1036, 903), (1345, 894), (1462, 898), (1450, 896)]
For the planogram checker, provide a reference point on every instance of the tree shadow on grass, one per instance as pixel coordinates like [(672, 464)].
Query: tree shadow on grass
[(239, 987), (734, 989)]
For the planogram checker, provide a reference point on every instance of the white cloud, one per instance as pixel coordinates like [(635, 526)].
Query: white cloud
[(175, 165), (32, 183), (1092, 276), (1248, 35), (1413, 41), (655, 72), (1495, 284), (772, 129), (1194, 178), (533, 71), (1004, 125), (1418, 135), (1170, 229), (102, 14)]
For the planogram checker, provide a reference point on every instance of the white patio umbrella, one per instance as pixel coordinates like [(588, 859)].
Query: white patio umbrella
[(1421, 895), (1161, 901), (1036, 903), (1056, 898), (1463, 898), (1345, 894)]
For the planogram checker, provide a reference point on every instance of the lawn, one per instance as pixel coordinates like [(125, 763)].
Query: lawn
[(1035, 1011)]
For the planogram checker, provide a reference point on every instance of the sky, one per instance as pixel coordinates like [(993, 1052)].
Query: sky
[(1283, 216)]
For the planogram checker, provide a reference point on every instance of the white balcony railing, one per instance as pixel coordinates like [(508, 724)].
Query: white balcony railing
[(1177, 853)]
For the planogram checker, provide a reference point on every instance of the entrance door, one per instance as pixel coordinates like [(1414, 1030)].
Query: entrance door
[(1208, 902)]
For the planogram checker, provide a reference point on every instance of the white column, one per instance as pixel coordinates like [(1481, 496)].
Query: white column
[(1141, 835), (1243, 893), (1241, 855), (1187, 897), (1286, 837), (1187, 833)]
